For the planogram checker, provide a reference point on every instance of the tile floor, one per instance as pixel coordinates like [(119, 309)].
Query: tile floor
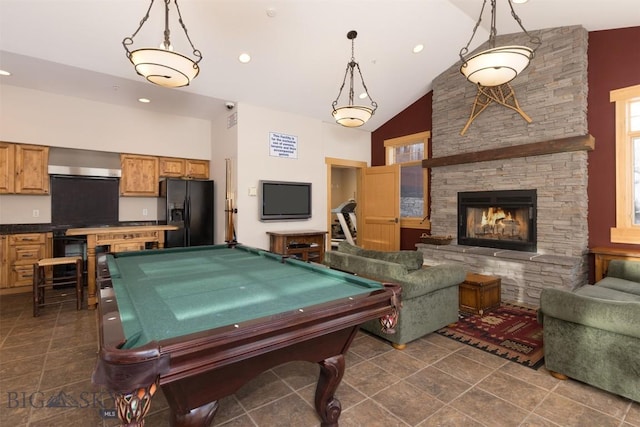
[(435, 381)]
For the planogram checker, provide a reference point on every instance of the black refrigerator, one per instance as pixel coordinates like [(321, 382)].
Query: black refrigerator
[(187, 204)]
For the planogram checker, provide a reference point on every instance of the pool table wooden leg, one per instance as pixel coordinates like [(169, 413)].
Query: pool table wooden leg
[(132, 407), (201, 416), (328, 407)]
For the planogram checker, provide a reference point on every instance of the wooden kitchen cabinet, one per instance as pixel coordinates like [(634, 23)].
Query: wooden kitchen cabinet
[(171, 167), (23, 169), (196, 169), (139, 175), (4, 261), (32, 176), (183, 168), (19, 252), (7, 167)]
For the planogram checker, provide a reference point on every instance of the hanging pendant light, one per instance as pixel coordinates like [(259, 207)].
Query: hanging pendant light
[(353, 115), (496, 65), (162, 65)]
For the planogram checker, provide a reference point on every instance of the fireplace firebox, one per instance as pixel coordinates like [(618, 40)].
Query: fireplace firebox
[(504, 219)]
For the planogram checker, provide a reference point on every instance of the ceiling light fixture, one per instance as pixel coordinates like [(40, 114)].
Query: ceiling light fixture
[(163, 66), (353, 115), (496, 65), (4, 73), (244, 58)]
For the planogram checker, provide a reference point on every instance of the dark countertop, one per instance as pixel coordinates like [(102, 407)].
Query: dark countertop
[(60, 229)]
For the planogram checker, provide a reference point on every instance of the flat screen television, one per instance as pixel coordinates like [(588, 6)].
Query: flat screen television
[(281, 200), (81, 201)]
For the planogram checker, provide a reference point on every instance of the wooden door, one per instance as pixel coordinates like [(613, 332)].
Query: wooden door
[(380, 228), (7, 167), (32, 175)]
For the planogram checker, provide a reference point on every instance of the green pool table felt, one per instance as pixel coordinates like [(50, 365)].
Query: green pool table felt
[(169, 293)]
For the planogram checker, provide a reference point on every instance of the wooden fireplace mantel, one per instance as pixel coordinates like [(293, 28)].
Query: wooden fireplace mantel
[(573, 143)]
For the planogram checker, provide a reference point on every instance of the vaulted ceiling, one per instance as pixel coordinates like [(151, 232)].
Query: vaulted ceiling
[(299, 48)]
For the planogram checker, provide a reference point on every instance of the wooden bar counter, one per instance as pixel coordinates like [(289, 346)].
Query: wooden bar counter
[(117, 239)]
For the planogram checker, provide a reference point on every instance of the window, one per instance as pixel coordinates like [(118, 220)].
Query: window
[(409, 151), (627, 229)]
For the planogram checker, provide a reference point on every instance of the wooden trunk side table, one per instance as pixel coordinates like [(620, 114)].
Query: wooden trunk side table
[(479, 293)]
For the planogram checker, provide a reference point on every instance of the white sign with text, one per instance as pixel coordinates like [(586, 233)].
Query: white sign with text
[(282, 145)]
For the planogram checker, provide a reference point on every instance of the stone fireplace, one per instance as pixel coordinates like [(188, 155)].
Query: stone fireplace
[(502, 152)]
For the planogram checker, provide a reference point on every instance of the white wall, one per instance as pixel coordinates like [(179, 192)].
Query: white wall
[(36, 117), (343, 186), (224, 145), (316, 141), (19, 209)]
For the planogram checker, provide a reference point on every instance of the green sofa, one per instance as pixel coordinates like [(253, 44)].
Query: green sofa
[(592, 334), (429, 295)]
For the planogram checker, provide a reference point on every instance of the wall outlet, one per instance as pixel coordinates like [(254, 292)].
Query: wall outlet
[(145, 212), (36, 213)]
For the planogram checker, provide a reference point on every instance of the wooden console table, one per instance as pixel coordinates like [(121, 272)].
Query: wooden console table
[(603, 255), (305, 244), (118, 239)]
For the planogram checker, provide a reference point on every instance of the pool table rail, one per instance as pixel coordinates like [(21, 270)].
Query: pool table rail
[(173, 358), (198, 369)]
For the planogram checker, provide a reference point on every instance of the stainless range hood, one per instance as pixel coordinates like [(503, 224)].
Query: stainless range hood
[(70, 161)]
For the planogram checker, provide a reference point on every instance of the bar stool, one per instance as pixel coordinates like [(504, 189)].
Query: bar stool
[(41, 283)]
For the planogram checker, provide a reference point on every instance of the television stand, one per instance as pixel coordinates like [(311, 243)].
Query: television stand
[(308, 245)]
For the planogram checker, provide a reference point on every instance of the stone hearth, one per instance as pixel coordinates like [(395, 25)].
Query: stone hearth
[(524, 274), (553, 92)]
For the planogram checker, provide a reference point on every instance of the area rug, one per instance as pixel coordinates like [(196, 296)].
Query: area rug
[(509, 331)]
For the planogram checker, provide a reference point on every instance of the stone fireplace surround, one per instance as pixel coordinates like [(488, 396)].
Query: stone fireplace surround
[(553, 92)]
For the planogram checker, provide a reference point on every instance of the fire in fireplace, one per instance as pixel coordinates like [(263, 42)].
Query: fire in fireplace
[(504, 219)]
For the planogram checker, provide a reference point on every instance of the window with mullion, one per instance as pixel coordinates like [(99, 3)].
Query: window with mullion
[(627, 110), (409, 151)]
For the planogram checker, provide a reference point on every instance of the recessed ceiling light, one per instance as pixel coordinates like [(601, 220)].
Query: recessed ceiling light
[(244, 58), (363, 95), (144, 100), (519, 1), (4, 73), (418, 48)]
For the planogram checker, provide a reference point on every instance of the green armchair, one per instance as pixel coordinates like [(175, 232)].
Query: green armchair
[(592, 334)]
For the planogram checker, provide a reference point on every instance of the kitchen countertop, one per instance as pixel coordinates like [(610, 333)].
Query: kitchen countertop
[(61, 229), (83, 231)]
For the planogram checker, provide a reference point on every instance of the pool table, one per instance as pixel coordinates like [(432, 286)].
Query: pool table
[(200, 322)]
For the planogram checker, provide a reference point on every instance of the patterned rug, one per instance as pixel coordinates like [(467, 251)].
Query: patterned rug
[(509, 331)]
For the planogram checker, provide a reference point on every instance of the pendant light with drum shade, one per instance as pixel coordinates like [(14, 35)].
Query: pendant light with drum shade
[(163, 66), (496, 65), (351, 115)]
